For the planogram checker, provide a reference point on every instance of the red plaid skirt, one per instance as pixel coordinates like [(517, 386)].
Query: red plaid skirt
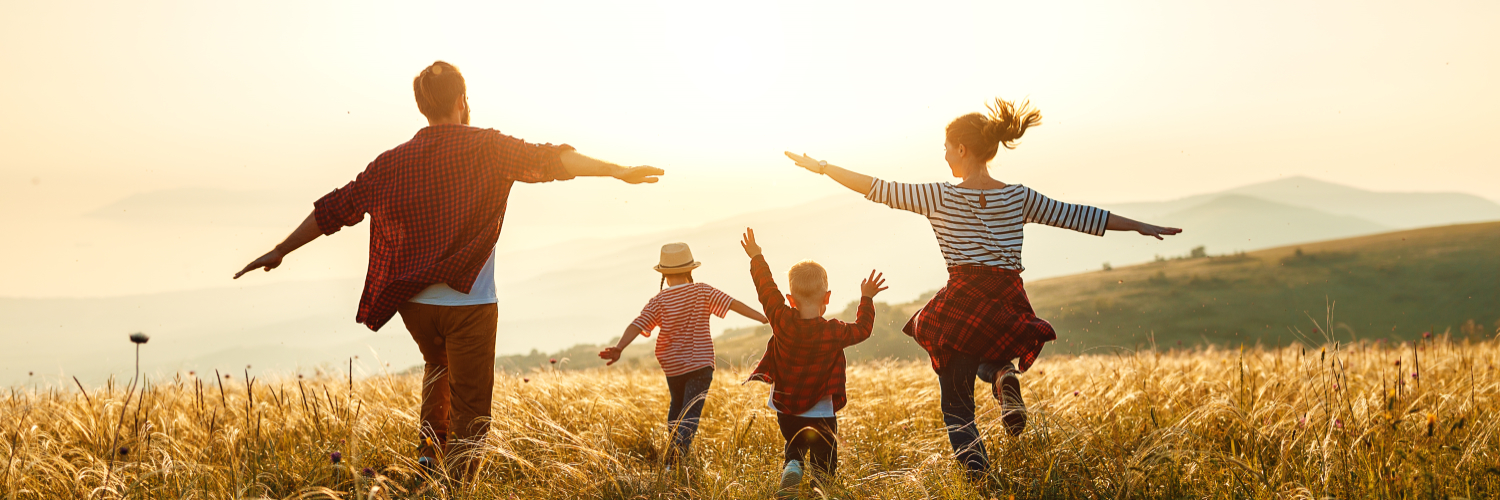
[(984, 312)]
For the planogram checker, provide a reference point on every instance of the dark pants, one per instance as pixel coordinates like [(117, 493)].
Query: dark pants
[(815, 437), (956, 381), (458, 375), (689, 391)]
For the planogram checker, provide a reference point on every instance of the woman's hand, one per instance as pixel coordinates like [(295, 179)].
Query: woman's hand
[(1156, 231), (807, 162)]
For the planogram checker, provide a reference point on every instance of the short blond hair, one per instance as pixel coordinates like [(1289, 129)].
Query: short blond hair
[(808, 279)]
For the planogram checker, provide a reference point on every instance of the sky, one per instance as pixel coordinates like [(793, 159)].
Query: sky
[(105, 101)]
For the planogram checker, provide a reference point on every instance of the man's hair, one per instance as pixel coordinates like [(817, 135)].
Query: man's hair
[(437, 87), (808, 280)]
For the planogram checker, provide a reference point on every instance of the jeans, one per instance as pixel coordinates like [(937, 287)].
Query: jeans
[(956, 382), (814, 437), (689, 391)]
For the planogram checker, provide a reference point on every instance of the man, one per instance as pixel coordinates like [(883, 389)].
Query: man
[(437, 203)]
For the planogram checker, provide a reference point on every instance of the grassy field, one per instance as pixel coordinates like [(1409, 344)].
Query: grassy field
[(1363, 420)]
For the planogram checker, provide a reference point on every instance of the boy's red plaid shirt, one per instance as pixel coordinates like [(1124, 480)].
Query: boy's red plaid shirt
[(804, 359), (438, 202)]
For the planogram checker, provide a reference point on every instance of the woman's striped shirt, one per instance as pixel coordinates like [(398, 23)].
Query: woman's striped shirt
[(983, 226), (682, 313)]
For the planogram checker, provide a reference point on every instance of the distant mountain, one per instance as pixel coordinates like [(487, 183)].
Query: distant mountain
[(220, 207), (272, 327), (1391, 286), (1396, 210)]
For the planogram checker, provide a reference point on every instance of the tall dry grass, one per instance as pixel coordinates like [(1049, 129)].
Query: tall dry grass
[(1341, 421)]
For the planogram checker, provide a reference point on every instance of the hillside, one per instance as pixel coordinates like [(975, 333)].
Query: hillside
[(1388, 286)]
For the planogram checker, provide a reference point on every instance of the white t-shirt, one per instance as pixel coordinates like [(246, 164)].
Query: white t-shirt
[(483, 291), (823, 409)]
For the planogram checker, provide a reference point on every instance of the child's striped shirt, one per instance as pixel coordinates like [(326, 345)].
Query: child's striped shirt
[(682, 313), (983, 226)]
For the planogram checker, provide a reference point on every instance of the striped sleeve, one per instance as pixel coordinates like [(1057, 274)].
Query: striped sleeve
[(649, 319), (1082, 218), (919, 198), (718, 302)]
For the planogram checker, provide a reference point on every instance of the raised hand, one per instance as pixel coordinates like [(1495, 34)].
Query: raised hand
[(638, 175), (873, 285), (747, 242), (268, 262), (806, 162), (610, 353)]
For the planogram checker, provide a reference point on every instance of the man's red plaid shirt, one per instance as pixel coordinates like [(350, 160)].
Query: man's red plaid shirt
[(804, 359), (437, 204)]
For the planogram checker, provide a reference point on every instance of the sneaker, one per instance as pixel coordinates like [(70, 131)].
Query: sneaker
[(791, 476), (1007, 391)]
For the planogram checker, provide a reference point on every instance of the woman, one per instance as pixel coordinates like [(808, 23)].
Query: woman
[(982, 320)]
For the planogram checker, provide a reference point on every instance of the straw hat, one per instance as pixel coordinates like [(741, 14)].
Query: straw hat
[(676, 258)]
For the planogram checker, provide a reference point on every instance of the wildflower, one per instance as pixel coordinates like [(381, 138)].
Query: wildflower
[(553, 361), (1339, 423), (139, 338), (1335, 386), (247, 367), (299, 375), (1426, 335), (30, 374), (1398, 362), (527, 380), (368, 472), (226, 376), (1302, 422), (1413, 374), (336, 457), (1075, 393), (124, 450)]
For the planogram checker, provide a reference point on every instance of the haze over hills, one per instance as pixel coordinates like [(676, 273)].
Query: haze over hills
[(1390, 286), (586, 291)]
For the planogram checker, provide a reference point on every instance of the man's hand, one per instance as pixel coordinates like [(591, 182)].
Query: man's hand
[(638, 175), (873, 285), (268, 262), (748, 243), (610, 353)]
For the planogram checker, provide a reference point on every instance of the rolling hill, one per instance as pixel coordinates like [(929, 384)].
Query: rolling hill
[(1393, 285)]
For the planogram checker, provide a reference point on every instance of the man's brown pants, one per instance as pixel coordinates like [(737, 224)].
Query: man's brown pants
[(458, 382)]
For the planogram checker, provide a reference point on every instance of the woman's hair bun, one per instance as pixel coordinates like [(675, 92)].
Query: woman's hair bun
[(1003, 126), (1008, 121)]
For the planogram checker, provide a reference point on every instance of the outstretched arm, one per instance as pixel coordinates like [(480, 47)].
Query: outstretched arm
[(613, 353), (747, 312), (305, 232), (583, 166), (1118, 223), (859, 183)]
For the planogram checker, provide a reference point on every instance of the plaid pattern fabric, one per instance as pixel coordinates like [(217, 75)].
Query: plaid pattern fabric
[(983, 311), (804, 359), (437, 202)]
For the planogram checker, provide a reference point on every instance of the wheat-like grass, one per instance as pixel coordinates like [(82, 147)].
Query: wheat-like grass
[(1340, 421)]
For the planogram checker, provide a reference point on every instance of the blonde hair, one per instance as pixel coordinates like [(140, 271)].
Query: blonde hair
[(1005, 124), (808, 280)]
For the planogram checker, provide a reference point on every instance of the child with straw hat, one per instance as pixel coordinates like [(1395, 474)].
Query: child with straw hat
[(684, 349)]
